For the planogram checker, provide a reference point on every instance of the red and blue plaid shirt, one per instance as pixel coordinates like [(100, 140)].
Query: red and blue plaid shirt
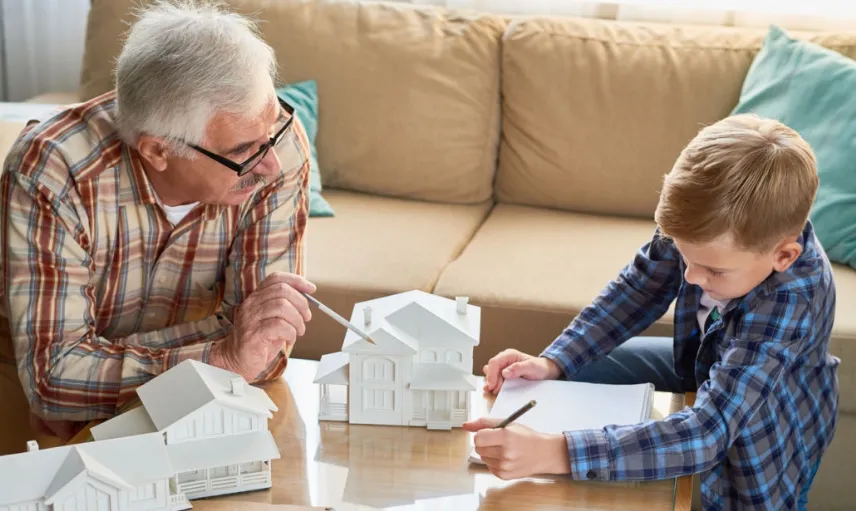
[(99, 292), (767, 400)]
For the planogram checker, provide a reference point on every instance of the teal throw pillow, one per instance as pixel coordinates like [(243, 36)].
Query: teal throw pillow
[(813, 90), (303, 96)]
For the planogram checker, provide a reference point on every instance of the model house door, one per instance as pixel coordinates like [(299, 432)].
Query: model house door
[(379, 401)]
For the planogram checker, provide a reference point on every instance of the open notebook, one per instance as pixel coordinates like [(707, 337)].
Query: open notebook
[(569, 406)]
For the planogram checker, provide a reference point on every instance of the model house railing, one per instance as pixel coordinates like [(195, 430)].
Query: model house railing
[(336, 408), (178, 502), (238, 480)]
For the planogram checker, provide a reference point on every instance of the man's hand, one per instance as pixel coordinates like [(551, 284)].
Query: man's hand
[(517, 451), (272, 316), (514, 364)]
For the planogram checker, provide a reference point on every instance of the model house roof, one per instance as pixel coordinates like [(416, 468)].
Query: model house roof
[(222, 451), (133, 422), (124, 462), (416, 317), (438, 376), (180, 391), (333, 369), (191, 385)]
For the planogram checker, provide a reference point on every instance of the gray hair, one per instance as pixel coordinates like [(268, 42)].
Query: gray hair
[(182, 63)]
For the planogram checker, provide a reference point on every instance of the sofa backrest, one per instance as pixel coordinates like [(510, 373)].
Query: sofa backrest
[(595, 112), (408, 96)]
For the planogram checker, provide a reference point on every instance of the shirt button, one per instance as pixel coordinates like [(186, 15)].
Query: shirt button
[(591, 474)]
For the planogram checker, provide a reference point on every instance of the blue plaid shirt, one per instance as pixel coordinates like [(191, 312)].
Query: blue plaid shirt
[(767, 400)]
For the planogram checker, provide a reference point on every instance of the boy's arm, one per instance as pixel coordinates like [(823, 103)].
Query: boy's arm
[(765, 343), (640, 295)]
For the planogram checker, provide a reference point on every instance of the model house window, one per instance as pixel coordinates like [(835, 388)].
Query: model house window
[(428, 356), (243, 423), (186, 430), (454, 357), (378, 400), (377, 369), (144, 492), (214, 422)]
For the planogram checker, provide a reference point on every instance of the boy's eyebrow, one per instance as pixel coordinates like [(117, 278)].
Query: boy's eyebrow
[(715, 270), (708, 268)]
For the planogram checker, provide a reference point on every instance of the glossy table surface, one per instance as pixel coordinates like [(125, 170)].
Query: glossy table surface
[(359, 467)]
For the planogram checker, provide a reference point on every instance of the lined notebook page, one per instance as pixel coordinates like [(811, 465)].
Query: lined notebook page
[(567, 406)]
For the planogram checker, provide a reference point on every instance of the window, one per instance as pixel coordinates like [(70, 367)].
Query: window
[(378, 399), (378, 369), (143, 492), (213, 421), (454, 357), (428, 356)]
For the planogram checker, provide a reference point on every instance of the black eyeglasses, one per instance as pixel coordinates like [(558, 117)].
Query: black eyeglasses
[(251, 162)]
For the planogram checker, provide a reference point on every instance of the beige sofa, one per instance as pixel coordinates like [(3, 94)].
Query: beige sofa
[(514, 161)]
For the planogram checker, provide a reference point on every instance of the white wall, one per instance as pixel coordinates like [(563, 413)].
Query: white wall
[(43, 46)]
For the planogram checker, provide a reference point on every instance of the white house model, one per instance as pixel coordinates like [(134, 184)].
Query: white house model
[(418, 372), (115, 475), (214, 426)]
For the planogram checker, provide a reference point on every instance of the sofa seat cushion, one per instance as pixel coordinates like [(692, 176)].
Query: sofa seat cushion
[(534, 269), (843, 344), (376, 246), (9, 131)]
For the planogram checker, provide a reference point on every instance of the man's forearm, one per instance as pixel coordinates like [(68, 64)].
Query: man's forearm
[(89, 378)]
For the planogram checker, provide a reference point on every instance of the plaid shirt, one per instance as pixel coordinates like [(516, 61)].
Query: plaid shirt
[(99, 292), (768, 391)]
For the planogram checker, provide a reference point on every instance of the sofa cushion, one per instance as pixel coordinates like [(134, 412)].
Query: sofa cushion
[(376, 246), (409, 96), (595, 112), (534, 269), (785, 82)]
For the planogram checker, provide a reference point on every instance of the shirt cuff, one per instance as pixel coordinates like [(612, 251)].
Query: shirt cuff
[(559, 355), (174, 356), (589, 454)]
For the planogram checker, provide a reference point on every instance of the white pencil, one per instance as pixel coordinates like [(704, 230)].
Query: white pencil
[(339, 319)]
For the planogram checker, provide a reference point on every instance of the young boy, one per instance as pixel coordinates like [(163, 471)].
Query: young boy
[(755, 302)]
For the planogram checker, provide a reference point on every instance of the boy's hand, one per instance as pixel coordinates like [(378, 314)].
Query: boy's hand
[(515, 364), (517, 451)]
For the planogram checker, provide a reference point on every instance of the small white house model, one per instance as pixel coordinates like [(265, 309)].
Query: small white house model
[(214, 426), (116, 475), (418, 372)]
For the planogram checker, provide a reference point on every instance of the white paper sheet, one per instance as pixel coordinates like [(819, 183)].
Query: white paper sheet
[(570, 406)]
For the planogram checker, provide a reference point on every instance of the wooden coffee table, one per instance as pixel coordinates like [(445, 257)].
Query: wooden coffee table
[(359, 467)]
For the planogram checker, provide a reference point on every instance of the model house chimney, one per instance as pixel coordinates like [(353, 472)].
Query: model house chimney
[(367, 315), (32, 446), (237, 386), (461, 302)]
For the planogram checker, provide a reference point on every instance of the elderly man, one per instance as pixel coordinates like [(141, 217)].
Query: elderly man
[(159, 222)]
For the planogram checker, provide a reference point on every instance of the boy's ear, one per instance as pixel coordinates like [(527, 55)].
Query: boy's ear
[(786, 254)]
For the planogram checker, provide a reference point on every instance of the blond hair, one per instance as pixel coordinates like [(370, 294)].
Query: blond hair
[(746, 176)]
